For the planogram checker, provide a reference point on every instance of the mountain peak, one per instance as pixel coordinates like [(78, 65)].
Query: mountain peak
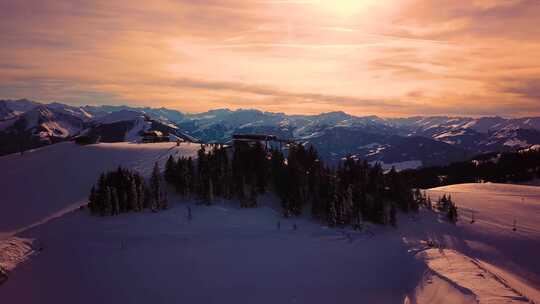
[(121, 115)]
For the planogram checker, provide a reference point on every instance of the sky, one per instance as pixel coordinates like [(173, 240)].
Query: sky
[(364, 57)]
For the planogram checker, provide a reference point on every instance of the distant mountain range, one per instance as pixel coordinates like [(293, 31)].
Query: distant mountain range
[(401, 142)]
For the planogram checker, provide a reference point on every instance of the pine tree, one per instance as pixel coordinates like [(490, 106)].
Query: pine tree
[(252, 197), (442, 203), (92, 200), (101, 197), (180, 179), (332, 212), (155, 188), (348, 205), (190, 178), (132, 195), (452, 212), (140, 186), (170, 167), (243, 193), (202, 173), (119, 191), (123, 204), (115, 203), (393, 219), (107, 202), (163, 199), (210, 191)]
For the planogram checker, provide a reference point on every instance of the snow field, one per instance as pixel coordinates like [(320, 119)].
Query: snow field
[(226, 254), (491, 240), (223, 255), (57, 178)]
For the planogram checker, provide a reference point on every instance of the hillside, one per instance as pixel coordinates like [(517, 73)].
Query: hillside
[(491, 239), (229, 254), (55, 178)]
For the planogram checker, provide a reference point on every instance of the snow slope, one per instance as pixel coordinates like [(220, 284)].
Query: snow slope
[(230, 255), (224, 255), (490, 240), (467, 273), (49, 181)]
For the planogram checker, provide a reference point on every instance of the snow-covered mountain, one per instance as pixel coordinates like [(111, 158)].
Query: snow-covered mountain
[(129, 125), (162, 114), (5, 111), (43, 124), (478, 135), (39, 126), (11, 108), (416, 140), (71, 110), (403, 142)]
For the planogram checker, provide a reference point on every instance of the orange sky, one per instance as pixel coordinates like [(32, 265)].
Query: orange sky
[(389, 58)]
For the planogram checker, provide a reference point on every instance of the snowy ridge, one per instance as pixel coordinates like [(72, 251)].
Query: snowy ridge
[(13, 252), (16, 250), (16, 107), (122, 115), (469, 274), (47, 122)]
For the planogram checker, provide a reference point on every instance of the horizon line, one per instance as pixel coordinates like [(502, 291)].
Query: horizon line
[(270, 112)]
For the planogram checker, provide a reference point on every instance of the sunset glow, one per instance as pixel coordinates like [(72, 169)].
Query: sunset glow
[(346, 8), (390, 58)]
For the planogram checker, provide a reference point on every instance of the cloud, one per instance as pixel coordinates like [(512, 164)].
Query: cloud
[(404, 58)]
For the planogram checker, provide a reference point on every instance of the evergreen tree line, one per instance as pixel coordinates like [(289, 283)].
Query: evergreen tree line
[(499, 168), (123, 190), (353, 192), (444, 204)]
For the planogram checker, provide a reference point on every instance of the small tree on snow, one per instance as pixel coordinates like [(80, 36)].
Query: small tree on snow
[(429, 204), (452, 212)]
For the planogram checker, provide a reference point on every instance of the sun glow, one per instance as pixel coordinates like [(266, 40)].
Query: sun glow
[(346, 8)]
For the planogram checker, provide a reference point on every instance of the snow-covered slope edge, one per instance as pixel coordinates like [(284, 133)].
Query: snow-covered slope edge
[(489, 246), (14, 251), (469, 275)]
